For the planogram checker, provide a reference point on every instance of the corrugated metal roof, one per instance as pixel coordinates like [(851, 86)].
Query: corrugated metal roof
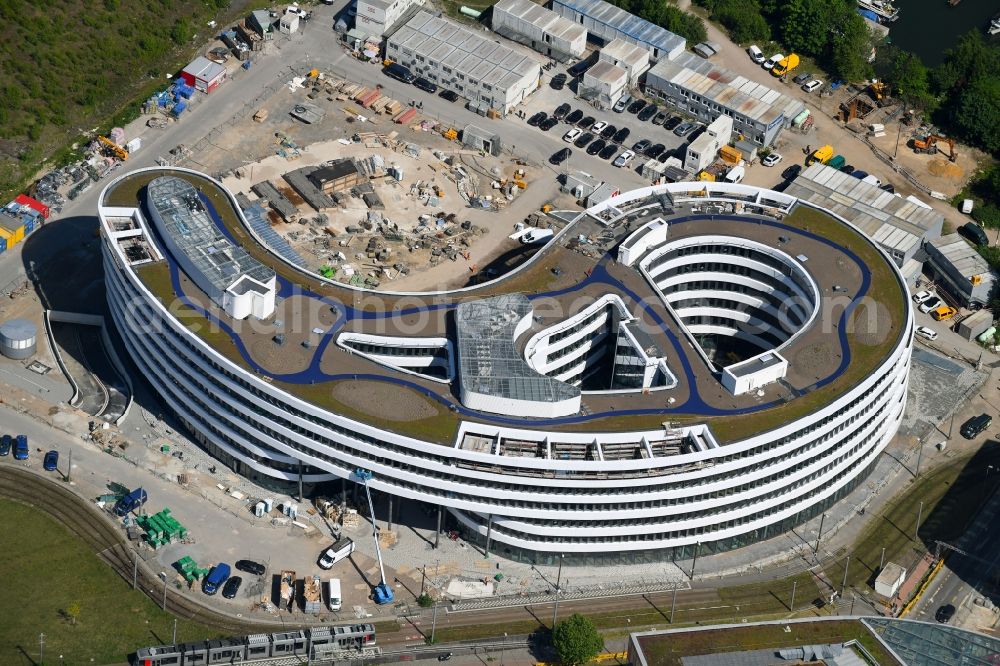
[(605, 72), (631, 54), (634, 27), (966, 260), (543, 19)]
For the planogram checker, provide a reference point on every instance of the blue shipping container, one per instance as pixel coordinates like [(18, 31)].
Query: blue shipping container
[(179, 108), (3, 244), (29, 224)]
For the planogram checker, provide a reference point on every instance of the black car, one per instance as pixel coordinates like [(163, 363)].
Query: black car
[(5, 443), (672, 123), (579, 68), (621, 135), (573, 117), (608, 131), (548, 124), (558, 81), (888, 187), (231, 587), (791, 172), (596, 147), (641, 146), (660, 118), (637, 106), (664, 156), (538, 119), (561, 111), (398, 72), (608, 151), (970, 230), (847, 168), (583, 139), (449, 95), (802, 78), (976, 425), (944, 613), (655, 150), (586, 122), (251, 567), (647, 113), (561, 156), (696, 133), (425, 85)]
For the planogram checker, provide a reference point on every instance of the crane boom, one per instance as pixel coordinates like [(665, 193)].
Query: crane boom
[(383, 593)]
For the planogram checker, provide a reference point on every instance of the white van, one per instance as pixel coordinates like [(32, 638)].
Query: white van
[(333, 598), (336, 553), (756, 54)]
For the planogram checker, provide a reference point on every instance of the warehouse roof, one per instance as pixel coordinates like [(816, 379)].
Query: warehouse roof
[(626, 52), (965, 259), (727, 88), (203, 68), (892, 222), (544, 19), (641, 30), (605, 72), (463, 50)]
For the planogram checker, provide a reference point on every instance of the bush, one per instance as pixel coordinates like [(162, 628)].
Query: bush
[(425, 601)]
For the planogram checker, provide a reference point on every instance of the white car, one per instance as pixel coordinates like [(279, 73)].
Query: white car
[(932, 303), (772, 61), (624, 158), (771, 159), (922, 296), (812, 85), (756, 54), (571, 135), (925, 332), (598, 126)]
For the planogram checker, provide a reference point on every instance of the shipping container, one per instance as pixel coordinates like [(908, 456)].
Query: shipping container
[(34, 204), (3, 244), (14, 229), (29, 224), (8, 239), (179, 108)]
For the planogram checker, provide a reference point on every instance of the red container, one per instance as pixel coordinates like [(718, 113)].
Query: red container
[(34, 204)]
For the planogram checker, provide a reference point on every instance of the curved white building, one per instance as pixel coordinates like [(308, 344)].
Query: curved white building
[(730, 377)]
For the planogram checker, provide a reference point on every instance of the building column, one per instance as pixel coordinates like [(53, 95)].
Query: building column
[(489, 533), (437, 534)]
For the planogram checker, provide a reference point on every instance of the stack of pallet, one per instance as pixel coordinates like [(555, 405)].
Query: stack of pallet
[(161, 528)]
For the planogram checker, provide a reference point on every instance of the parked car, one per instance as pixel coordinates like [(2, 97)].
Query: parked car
[(944, 313), (216, 578), (664, 156), (623, 159), (537, 119), (791, 172), (448, 95), (341, 549), (859, 174), (660, 118), (561, 111), (772, 61), (647, 113), (970, 429), (609, 131), (608, 151), (636, 106), (6, 442), (974, 233), (672, 123), (922, 296), (888, 187), (548, 124), (641, 145), (925, 332), (51, 461), (802, 78), (847, 168), (771, 159), (21, 447), (583, 139), (570, 136), (755, 54), (654, 150), (622, 103), (398, 72), (931, 303), (579, 68), (813, 85), (131, 502), (558, 81), (586, 123), (946, 612), (706, 49), (425, 85), (699, 129), (598, 127), (684, 129), (596, 147), (622, 134), (560, 156), (573, 117), (231, 587), (251, 567)]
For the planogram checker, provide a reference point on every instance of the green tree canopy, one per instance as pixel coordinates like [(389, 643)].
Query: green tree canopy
[(576, 640), (977, 112)]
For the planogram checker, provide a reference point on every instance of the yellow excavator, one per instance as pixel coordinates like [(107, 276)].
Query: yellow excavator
[(114, 148)]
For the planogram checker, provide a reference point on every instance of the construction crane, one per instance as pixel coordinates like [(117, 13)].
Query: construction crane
[(383, 593), (113, 147), (929, 144)]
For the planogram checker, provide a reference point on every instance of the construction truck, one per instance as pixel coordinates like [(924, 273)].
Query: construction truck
[(823, 155), (929, 145), (114, 148), (785, 65)]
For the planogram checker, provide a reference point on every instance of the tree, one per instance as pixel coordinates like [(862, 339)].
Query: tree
[(805, 26), (576, 640), (909, 80), (850, 48), (743, 20), (73, 612), (977, 112)]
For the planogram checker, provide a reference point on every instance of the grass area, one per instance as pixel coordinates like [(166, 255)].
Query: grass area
[(46, 572), (668, 650)]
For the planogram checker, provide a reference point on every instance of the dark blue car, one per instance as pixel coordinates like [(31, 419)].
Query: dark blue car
[(6, 443), (51, 461), (21, 448), (216, 578)]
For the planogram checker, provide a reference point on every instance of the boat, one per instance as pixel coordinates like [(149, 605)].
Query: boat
[(954, 2), (994, 27), (884, 10)]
